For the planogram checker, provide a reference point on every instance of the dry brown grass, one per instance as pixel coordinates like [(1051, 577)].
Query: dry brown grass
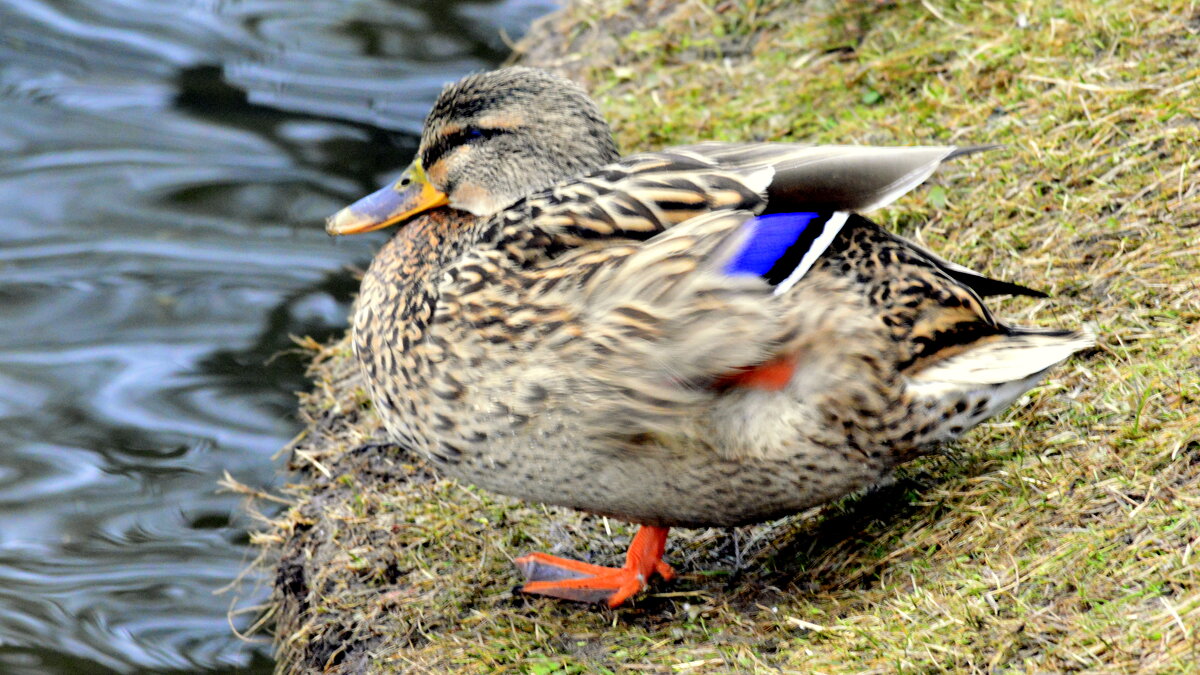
[(1061, 536)]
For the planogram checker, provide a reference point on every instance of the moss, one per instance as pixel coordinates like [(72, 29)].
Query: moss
[(1060, 536)]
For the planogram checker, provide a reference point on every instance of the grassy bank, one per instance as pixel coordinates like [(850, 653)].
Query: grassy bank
[(1061, 536)]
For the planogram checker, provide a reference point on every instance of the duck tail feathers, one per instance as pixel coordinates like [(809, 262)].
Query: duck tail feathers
[(959, 392), (1010, 357)]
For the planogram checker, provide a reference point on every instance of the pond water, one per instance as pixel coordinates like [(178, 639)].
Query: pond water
[(165, 167)]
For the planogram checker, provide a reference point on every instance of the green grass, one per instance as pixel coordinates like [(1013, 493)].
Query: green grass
[(1061, 536)]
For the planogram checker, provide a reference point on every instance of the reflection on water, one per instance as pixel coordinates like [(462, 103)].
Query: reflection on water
[(164, 169)]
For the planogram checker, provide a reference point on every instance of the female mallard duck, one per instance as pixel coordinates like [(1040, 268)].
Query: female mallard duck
[(704, 336)]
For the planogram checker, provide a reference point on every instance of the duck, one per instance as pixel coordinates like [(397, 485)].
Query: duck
[(709, 335)]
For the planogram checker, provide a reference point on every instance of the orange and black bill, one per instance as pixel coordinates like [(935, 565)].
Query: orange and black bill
[(408, 196)]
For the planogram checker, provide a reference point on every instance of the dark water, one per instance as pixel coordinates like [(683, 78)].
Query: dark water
[(164, 169)]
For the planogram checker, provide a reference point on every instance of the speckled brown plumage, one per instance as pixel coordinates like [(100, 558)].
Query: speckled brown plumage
[(585, 345)]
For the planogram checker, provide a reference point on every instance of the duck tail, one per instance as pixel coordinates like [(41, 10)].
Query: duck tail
[(963, 390)]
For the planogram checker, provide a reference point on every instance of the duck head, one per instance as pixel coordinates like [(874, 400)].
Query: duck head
[(489, 140)]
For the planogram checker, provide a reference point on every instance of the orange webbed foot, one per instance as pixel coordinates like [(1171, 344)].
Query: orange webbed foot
[(581, 582)]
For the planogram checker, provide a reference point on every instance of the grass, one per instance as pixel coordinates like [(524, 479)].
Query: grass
[(1061, 536)]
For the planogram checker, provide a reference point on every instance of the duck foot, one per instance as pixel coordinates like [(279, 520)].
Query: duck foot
[(573, 580)]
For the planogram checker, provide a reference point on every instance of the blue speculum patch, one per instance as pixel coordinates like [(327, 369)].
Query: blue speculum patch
[(771, 237)]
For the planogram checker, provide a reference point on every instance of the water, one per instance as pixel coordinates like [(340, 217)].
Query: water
[(164, 170)]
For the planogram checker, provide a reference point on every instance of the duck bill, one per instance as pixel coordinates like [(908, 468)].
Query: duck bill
[(408, 196)]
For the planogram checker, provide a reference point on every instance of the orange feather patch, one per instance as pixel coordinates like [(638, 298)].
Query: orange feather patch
[(772, 375)]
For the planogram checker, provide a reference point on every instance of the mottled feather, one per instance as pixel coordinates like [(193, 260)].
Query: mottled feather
[(589, 344)]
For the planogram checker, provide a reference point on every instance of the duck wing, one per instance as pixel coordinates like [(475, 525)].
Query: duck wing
[(857, 178), (873, 331), (646, 194)]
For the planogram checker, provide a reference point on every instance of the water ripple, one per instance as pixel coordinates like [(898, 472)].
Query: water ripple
[(164, 169)]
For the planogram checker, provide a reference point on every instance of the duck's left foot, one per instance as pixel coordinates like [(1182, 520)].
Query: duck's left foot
[(581, 582)]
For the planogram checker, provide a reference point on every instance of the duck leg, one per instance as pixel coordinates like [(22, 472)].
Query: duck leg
[(581, 582)]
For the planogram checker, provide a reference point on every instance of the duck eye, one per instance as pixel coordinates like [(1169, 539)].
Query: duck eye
[(457, 138)]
